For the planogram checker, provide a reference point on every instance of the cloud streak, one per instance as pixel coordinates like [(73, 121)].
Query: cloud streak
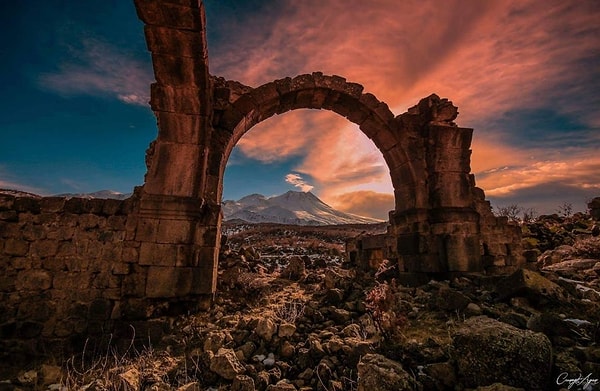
[(99, 69), (365, 203), (297, 181), (502, 62)]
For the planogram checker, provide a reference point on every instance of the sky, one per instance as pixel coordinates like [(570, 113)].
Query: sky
[(75, 79)]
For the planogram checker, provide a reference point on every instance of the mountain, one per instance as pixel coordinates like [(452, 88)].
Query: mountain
[(293, 207), (104, 194), (18, 193)]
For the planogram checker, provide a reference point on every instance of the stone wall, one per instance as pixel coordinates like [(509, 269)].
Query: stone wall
[(70, 270)]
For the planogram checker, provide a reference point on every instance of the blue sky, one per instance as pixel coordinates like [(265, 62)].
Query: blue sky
[(75, 80)]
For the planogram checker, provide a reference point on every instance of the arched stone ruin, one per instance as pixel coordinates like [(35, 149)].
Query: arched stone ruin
[(74, 268)]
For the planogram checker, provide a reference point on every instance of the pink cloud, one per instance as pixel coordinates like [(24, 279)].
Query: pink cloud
[(365, 203), (101, 70), (488, 57)]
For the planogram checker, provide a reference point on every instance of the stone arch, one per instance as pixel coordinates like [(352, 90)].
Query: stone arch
[(441, 222), (238, 108)]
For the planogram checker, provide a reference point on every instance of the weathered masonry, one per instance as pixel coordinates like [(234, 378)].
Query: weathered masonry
[(77, 267)]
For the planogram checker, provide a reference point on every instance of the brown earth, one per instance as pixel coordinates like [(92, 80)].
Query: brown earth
[(292, 314)]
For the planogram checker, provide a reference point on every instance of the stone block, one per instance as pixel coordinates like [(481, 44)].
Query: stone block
[(77, 206), (16, 247), (9, 216), (100, 309), (6, 202), (7, 282), (27, 204), (34, 280), (71, 281), (206, 236), (181, 128), (174, 231), (89, 221), (31, 232), (116, 223), (164, 40), (185, 100), (18, 263), (130, 255), (111, 207), (95, 206), (169, 14), (76, 263), (52, 204), (450, 136), (177, 173), (146, 230), (179, 71), (158, 254), (120, 268), (134, 284), (167, 282), (450, 190), (111, 252), (204, 279), (44, 248)]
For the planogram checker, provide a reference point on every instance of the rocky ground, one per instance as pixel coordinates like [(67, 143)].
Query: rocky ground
[(291, 314)]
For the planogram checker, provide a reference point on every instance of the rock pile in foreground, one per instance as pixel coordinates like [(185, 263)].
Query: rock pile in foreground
[(304, 321)]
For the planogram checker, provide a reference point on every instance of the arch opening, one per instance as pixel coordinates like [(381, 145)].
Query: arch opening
[(311, 150)]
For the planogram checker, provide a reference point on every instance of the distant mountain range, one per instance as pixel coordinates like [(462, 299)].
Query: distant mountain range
[(104, 194), (293, 207)]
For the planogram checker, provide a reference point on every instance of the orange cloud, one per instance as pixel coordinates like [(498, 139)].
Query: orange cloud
[(488, 57), (579, 169), (285, 135), (365, 203)]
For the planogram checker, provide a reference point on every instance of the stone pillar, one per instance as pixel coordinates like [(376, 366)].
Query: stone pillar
[(177, 230), (435, 223)]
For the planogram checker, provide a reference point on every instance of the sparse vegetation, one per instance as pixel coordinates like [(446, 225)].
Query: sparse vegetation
[(313, 330)]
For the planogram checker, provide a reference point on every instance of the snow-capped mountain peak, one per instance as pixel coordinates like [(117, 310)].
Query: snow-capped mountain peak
[(293, 207)]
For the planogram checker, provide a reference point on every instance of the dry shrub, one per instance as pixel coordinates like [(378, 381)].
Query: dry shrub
[(111, 371), (381, 303), (289, 311)]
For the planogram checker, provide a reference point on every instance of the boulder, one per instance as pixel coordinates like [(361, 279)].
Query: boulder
[(226, 364), (282, 385), (531, 285), (375, 372), (448, 299), (295, 270), (243, 383), (286, 330), (193, 386), (559, 254), (488, 351), (265, 329), (594, 207)]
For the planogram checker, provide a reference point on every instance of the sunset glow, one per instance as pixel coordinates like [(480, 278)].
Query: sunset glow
[(524, 74)]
